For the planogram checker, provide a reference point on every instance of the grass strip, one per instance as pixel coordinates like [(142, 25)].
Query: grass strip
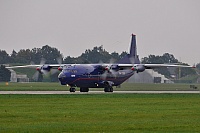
[(100, 113)]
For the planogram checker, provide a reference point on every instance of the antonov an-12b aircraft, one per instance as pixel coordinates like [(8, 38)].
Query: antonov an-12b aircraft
[(101, 75)]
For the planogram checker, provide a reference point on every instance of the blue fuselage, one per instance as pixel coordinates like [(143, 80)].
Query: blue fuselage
[(92, 76)]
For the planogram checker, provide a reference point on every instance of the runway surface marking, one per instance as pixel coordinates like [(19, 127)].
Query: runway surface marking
[(100, 92)]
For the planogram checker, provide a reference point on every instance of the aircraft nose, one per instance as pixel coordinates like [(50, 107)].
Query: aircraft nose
[(62, 77)]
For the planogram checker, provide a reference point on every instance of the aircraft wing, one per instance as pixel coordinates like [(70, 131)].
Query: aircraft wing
[(42, 68), (54, 66), (152, 66), (25, 66), (134, 67), (142, 67), (147, 66)]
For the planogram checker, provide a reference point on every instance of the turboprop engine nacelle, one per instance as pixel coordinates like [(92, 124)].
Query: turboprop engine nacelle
[(138, 68), (43, 69)]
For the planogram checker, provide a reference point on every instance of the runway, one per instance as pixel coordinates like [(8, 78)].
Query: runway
[(100, 92)]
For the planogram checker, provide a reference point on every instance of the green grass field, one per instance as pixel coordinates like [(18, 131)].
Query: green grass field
[(100, 113), (125, 87)]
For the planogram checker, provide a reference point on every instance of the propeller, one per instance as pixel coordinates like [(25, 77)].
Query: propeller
[(137, 68), (39, 69), (36, 76), (59, 60), (60, 68), (109, 70), (45, 69)]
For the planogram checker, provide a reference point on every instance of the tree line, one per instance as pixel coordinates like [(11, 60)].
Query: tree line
[(168, 59), (52, 55)]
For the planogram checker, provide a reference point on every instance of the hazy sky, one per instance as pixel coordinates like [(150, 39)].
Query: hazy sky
[(72, 26)]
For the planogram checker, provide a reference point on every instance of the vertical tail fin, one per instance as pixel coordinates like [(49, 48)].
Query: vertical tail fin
[(132, 57), (133, 49)]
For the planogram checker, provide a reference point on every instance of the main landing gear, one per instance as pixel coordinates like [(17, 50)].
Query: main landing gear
[(108, 87), (82, 89), (72, 89)]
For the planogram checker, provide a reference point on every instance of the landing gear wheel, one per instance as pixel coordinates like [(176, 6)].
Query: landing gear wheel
[(108, 89), (72, 89), (82, 89), (111, 89)]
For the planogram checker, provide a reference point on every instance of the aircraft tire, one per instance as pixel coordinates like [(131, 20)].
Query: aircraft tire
[(72, 89), (108, 89), (111, 89), (84, 89)]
